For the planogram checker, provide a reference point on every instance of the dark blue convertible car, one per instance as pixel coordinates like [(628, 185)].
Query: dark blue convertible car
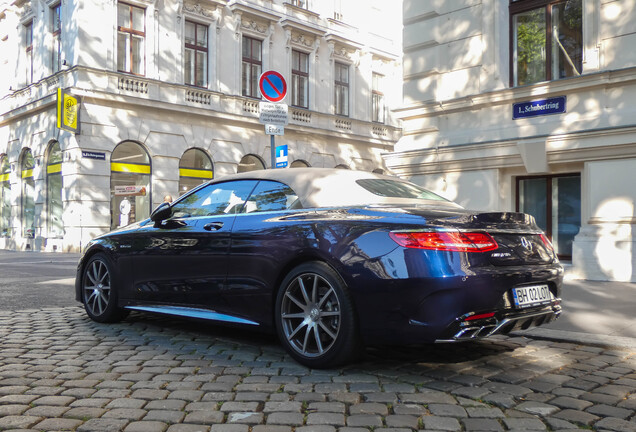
[(328, 259)]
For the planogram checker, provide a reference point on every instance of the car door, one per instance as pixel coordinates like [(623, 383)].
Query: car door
[(183, 260), (262, 241)]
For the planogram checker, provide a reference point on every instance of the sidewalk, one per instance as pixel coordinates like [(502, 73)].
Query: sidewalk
[(597, 313)]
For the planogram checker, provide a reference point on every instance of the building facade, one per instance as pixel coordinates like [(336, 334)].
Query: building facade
[(168, 94), (527, 105)]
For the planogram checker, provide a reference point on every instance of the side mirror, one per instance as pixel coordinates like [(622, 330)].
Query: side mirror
[(161, 213)]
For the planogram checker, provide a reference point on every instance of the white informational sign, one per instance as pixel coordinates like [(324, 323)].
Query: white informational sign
[(273, 114), (130, 190), (274, 130)]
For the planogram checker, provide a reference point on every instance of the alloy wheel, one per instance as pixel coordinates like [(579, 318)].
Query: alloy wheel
[(97, 292), (310, 315)]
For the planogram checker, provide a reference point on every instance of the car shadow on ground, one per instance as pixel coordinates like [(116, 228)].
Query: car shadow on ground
[(246, 345)]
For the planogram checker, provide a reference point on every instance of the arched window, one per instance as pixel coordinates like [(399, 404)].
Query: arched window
[(28, 194), (54, 190), (342, 166), (250, 162), (5, 197), (378, 171), (299, 163), (195, 168), (129, 184)]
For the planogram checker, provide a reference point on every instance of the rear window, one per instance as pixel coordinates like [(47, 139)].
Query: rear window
[(397, 189)]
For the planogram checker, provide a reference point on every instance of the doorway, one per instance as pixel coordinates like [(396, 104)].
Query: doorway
[(555, 203)]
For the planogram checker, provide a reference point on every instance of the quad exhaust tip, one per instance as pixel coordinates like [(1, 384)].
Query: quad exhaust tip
[(505, 326)]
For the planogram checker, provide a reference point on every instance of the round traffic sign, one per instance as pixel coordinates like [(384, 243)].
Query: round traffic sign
[(273, 86)]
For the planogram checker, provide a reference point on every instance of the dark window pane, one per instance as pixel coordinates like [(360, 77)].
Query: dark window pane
[(566, 212), (532, 200), (202, 36), (250, 163), (567, 48), (397, 189), (529, 46), (215, 199), (271, 196), (190, 33), (5, 197), (123, 15)]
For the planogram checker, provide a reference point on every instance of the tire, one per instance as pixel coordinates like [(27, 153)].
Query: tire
[(99, 293), (315, 318)]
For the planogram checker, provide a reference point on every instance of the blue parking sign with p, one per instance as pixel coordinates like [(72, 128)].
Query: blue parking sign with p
[(281, 156)]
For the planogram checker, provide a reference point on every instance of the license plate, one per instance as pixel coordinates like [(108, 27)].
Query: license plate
[(531, 295)]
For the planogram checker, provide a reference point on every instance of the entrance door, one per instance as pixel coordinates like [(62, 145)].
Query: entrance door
[(130, 173), (555, 202)]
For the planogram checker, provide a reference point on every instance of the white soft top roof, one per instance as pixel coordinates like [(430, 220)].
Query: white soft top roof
[(328, 187)]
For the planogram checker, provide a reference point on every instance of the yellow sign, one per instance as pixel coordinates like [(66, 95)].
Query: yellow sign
[(67, 112), (196, 173), (130, 168)]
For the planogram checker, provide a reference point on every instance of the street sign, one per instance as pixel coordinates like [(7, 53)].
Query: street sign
[(274, 130), (272, 86), (273, 114), (555, 105), (281, 156), (93, 155)]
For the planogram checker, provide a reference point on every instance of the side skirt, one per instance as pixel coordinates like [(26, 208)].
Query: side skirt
[(192, 313)]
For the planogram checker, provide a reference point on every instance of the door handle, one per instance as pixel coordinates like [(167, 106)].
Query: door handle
[(213, 226)]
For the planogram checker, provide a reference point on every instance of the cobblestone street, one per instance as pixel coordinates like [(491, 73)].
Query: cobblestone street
[(61, 371)]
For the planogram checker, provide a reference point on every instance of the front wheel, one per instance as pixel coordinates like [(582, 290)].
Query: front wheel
[(315, 318), (98, 291)]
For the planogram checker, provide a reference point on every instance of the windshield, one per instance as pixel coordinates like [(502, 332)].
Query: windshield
[(397, 189)]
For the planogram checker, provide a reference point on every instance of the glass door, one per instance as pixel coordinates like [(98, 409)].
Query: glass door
[(555, 202)]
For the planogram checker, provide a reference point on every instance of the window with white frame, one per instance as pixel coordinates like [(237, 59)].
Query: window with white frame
[(252, 66), (377, 98), (300, 79), (341, 85), (56, 38), (131, 35), (196, 54)]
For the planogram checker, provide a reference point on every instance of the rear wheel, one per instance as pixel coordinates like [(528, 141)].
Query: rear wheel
[(98, 292), (315, 319)]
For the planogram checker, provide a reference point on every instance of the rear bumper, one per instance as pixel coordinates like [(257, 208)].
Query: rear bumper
[(503, 322)]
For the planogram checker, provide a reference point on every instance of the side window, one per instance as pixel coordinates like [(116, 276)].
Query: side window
[(271, 196), (214, 199)]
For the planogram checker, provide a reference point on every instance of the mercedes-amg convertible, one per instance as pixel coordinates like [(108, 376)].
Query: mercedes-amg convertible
[(328, 259)]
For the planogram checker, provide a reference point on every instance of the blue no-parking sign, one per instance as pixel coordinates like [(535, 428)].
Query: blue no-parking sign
[(272, 86)]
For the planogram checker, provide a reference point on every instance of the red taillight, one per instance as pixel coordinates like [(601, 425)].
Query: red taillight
[(445, 241), (547, 242)]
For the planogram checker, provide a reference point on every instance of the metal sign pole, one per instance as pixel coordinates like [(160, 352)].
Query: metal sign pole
[(273, 151)]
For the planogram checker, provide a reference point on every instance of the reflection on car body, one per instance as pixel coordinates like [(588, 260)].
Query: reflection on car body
[(328, 259)]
